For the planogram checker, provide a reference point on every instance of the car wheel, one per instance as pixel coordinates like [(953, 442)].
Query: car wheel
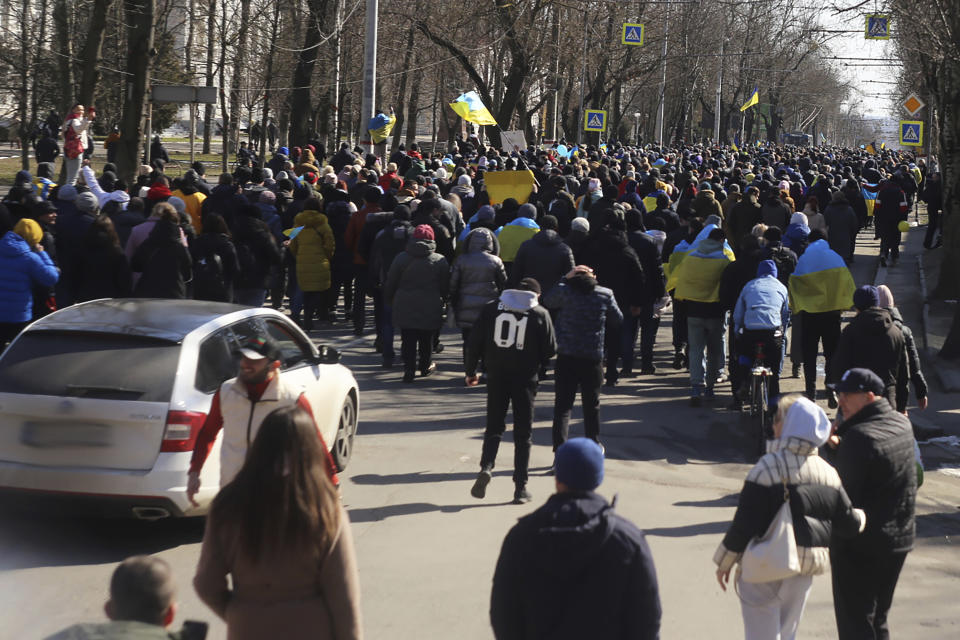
[(346, 430)]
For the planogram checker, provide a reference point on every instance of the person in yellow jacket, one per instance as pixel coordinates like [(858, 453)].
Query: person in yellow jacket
[(193, 198), (312, 247), (515, 233), (698, 288)]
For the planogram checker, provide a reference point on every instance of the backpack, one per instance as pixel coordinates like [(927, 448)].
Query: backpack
[(785, 264), (208, 281)]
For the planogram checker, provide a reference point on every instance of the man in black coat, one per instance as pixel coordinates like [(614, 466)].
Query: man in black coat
[(872, 341), (876, 463), (574, 568), (647, 322), (544, 257), (514, 335)]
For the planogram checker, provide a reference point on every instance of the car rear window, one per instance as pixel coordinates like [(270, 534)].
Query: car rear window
[(90, 365)]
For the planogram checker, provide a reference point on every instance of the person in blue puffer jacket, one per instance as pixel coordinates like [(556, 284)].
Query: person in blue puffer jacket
[(23, 267), (796, 235)]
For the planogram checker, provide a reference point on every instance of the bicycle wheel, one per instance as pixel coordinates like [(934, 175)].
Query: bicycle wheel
[(764, 416)]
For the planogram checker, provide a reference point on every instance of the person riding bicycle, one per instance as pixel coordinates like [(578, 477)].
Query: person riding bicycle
[(760, 317)]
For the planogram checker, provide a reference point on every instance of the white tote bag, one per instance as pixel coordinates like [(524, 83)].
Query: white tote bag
[(773, 556)]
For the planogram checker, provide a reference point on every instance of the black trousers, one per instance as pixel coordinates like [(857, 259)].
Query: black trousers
[(772, 341), (312, 305), (502, 390), (814, 328), (573, 374), (360, 286), (416, 344), (679, 324), (933, 225), (863, 586)]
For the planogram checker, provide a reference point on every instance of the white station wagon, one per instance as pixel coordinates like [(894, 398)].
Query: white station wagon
[(101, 402)]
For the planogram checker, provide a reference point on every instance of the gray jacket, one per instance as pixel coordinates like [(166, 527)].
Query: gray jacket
[(417, 285), (477, 277)]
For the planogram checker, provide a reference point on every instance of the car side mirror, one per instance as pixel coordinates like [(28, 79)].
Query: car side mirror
[(328, 355)]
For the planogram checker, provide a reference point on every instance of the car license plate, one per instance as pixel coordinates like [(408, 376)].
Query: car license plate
[(46, 435)]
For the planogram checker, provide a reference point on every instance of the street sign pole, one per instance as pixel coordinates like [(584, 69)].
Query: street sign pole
[(369, 75)]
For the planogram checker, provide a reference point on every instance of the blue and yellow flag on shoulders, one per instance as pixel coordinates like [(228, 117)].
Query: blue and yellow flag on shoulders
[(683, 249), (380, 127), (870, 192), (754, 99), (470, 107), (821, 282)]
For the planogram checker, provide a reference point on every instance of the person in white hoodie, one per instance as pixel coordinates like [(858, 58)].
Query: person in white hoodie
[(820, 508), (105, 188)]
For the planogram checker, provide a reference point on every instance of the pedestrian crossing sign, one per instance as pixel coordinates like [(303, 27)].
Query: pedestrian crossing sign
[(878, 27), (911, 133), (595, 120), (632, 34)]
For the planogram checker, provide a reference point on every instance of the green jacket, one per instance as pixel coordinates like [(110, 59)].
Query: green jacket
[(115, 630)]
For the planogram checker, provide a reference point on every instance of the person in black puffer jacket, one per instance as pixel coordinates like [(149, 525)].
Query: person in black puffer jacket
[(390, 242), (876, 462), (101, 269), (216, 266), (544, 257), (913, 356), (477, 277), (257, 252), (338, 212), (647, 323), (872, 341), (820, 508), (162, 260), (574, 568)]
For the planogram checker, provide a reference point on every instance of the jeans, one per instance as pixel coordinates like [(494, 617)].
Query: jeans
[(706, 351), (572, 374), (772, 610), (414, 344), (863, 586), (816, 327), (251, 297), (73, 168), (502, 389)]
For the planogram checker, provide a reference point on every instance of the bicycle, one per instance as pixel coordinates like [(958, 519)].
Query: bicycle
[(758, 397)]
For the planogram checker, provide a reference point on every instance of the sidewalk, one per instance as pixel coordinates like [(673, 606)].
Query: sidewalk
[(917, 270)]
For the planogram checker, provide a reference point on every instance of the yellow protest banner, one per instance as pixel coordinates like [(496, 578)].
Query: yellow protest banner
[(509, 184)]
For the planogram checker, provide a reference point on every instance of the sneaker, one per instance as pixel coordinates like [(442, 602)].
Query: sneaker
[(438, 348), (408, 377), (678, 359), (430, 370), (832, 399), (648, 370), (479, 488), (520, 494)]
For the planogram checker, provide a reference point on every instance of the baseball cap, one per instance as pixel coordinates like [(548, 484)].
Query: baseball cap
[(859, 380), (260, 347)]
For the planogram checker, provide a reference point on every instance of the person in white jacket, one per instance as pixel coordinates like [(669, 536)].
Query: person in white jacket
[(75, 139), (104, 188)]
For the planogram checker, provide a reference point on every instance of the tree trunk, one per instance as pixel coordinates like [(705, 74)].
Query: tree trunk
[(239, 69), (402, 88), (224, 116), (64, 38), (300, 109), (208, 112), (266, 96), (139, 19), (92, 52), (23, 100), (948, 284), (413, 106)]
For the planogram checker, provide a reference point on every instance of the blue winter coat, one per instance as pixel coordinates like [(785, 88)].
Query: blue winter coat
[(22, 270)]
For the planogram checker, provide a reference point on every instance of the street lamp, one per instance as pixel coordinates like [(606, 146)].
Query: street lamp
[(636, 127)]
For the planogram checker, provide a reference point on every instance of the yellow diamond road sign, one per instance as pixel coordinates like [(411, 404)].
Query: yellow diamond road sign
[(913, 104)]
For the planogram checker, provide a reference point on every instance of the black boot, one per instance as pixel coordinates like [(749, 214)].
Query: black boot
[(520, 494), (479, 489)]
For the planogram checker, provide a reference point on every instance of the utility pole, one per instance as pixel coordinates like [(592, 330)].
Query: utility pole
[(716, 117), (583, 76), (663, 79), (369, 75)]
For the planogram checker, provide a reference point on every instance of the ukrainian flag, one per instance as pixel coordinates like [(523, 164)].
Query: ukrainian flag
[(821, 282), (870, 192), (698, 278), (872, 148), (470, 107), (380, 127), (754, 99), (683, 249)]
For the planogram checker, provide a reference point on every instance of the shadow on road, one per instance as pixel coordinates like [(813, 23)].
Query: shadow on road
[(376, 514), (36, 540), (689, 530)]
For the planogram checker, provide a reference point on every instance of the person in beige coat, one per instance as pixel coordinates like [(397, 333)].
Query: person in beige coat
[(293, 569)]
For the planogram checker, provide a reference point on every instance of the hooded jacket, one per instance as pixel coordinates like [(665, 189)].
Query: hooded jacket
[(872, 340), (257, 251), (417, 286), (514, 335), (575, 569), (477, 277), (545, 258), (313, 249), (795, 237), (698, 279), (205, 247), (515, 234), (878, 468), (103, 197), (820, 507), (913, 360), (763, 303), (586, 310), (22, 270), (388, 244), (705, 204)]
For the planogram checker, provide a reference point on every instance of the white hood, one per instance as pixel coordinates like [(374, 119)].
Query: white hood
[(517, 300)]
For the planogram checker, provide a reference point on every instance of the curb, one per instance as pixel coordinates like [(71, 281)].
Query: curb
[(925, 311)]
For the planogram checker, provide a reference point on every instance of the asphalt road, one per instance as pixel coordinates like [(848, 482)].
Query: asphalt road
[(427, 549)]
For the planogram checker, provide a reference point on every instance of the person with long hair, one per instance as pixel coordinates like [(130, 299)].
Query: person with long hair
[(100, 268), (281, 533)]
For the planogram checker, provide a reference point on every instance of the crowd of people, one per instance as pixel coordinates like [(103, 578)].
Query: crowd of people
[(748, 249)]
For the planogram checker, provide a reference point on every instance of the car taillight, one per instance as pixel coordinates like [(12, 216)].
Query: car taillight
[(181, 431)]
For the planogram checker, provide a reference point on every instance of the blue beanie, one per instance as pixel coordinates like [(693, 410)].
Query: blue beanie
[(767, 268), (866, 296), (579, 464), (284, 151)]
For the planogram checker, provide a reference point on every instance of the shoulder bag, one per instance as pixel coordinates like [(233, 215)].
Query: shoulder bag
[(773, 556)]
